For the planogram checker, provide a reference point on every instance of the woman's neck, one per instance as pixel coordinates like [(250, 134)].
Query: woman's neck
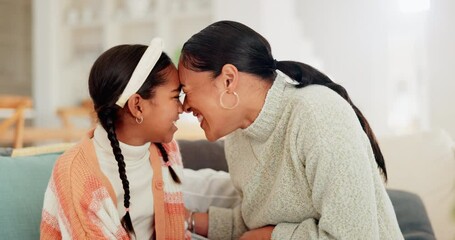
[(254, 94)]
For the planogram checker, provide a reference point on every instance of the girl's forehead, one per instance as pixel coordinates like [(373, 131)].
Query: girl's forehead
[(173, 77)]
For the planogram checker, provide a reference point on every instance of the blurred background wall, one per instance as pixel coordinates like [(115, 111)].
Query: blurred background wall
[(395, 57)]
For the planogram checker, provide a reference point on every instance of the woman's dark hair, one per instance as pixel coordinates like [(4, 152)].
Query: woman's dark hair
[(108, 78), (231, 42)]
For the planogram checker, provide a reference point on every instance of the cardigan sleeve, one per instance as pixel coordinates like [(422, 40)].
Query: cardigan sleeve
[(338, 167), (50, 227)]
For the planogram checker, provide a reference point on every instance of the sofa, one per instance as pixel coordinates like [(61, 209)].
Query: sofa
[(23, 180), (424, 163)]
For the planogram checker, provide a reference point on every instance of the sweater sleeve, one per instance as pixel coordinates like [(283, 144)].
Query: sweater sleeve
[(337, 158), (225, 223)]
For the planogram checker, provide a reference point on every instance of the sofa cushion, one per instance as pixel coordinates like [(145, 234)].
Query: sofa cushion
[(23, 181), (199, 154), (412, 216)]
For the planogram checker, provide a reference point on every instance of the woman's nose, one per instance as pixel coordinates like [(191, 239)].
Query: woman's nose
[(180, 109), (186, 106)]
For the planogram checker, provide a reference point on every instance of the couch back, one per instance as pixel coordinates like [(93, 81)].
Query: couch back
[(424, 163), (23, 181)]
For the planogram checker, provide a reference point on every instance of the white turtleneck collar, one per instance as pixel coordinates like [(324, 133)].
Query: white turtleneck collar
[(129, 152), (139, 172)]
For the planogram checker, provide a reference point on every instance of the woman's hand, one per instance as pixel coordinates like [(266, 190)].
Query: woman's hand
[(263, 233)]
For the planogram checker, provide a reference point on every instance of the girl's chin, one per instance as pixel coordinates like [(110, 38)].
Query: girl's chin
[(170, 135), (168, 138)]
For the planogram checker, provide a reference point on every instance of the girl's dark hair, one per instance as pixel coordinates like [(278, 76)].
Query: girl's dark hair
[(108, 78), (231, 42)]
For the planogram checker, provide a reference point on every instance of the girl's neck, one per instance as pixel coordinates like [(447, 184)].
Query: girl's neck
[(130, 134)]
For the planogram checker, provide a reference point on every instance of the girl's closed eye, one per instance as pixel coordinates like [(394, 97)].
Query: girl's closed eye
[(178, 96)]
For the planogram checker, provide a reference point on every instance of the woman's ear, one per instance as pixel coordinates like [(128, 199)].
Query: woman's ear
[(135, 105), (229, 77)]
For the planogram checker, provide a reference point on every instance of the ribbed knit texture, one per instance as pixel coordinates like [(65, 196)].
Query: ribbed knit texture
[(306, 166), (80, 202)]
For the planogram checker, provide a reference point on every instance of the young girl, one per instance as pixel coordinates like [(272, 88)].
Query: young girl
[(122, 181)]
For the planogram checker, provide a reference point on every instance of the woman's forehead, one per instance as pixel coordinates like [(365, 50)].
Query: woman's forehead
[(191, 77)]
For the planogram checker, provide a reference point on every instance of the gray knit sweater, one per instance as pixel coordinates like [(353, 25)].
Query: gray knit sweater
[(306, 166)]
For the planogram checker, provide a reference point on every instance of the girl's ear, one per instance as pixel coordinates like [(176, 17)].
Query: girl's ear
[(229, 77), (134, 105)]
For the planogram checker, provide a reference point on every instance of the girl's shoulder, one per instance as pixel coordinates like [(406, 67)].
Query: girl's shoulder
[(171, 146), (80, 156), (173, 151)]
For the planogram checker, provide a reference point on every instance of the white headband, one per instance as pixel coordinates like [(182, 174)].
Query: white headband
[(142, 70)]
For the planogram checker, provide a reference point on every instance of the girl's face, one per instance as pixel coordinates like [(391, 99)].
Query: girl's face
[(202, 97), (162, 110)]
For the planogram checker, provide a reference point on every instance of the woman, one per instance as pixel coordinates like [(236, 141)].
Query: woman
[(300, 153)]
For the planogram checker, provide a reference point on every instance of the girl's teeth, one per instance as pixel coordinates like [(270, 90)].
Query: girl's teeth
[(200, 118)]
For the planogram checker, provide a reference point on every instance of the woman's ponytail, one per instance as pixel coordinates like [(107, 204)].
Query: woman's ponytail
[(306, 75)]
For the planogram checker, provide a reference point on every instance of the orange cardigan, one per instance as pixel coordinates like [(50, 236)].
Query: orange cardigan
[(80, 202)]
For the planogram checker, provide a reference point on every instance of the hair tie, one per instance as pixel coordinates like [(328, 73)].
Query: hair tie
[(127, 209), (275, 64)]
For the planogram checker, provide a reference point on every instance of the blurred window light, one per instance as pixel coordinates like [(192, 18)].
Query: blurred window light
[(414, 6)]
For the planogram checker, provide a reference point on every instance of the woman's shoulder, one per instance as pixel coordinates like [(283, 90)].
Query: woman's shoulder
[(320, 106), (317, 94), (318, 98)]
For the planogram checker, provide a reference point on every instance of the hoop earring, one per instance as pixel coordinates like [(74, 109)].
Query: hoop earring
[(139, 120), (236, 98)]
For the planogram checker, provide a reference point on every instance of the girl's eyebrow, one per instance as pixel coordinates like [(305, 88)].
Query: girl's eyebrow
[(178, 89)]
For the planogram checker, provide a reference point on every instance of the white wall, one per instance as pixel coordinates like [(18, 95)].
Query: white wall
[(441, 59), (350, 38), (277, 21), (382, 55)]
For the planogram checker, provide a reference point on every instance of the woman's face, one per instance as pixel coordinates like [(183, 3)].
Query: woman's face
[(163, 109), (202, 97)]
